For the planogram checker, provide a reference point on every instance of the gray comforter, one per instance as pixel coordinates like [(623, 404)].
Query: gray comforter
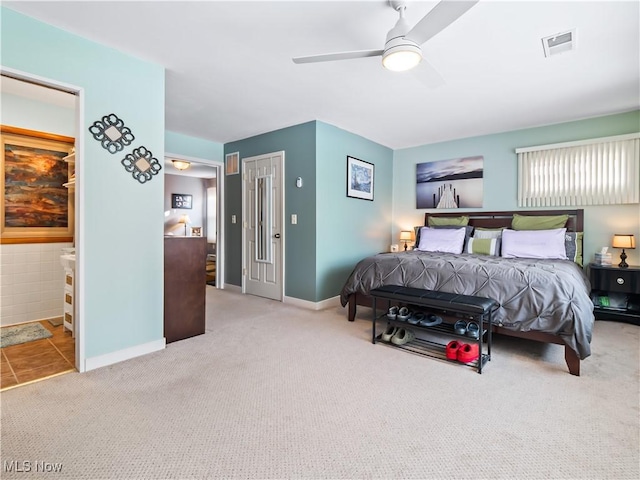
[(549, 296)]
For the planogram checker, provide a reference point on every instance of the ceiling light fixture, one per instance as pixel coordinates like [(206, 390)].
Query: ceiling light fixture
[(402, 58), (400, 53), (180, 165)]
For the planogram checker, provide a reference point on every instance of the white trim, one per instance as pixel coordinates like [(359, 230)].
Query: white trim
[(125, 354), (590, 141), (219, 166), (324, 304), (80, 312)]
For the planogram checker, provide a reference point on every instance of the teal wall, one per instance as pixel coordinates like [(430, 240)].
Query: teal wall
[(298, 143), (500, 174), (333, 231), (181, 144), (348, 228), (22, 112), (122, 220)]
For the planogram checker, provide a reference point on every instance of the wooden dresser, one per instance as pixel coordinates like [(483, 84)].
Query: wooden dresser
[(184, 287)]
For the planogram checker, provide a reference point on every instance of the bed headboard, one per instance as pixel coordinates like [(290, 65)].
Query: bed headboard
[(575, 223)]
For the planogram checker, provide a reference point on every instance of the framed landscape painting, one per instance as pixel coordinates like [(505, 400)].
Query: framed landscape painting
[(35, 206), (359, 179)]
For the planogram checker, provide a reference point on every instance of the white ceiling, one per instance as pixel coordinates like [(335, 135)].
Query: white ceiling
[(229, 73), (198, 170)]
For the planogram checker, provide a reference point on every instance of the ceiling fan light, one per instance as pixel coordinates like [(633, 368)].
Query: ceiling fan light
[(180, 165), (401, 59)]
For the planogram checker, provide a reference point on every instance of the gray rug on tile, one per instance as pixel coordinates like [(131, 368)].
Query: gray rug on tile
[(22, 334)]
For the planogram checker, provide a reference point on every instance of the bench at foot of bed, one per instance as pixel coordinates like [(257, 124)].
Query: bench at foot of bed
[(570, 356)]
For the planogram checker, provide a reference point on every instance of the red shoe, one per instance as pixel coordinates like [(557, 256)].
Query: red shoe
[(468, 353), (452, 349)]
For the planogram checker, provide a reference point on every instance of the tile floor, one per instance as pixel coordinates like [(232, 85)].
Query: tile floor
[(31, 361)]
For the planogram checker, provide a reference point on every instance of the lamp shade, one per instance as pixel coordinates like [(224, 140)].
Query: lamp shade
[(184, 219), (405, 235), (625, 240), (180, 165)]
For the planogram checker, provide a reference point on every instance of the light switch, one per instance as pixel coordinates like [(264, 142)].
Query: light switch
[(233, 219), (294, 219)]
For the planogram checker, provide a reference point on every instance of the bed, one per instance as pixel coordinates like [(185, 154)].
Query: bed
[(545, 300)]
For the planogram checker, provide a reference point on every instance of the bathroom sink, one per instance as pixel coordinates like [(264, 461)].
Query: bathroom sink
[(68, 261)]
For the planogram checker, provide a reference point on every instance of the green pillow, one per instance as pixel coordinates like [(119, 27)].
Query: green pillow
[(456, 221), (484, 246), (543, 222), (480, 232)]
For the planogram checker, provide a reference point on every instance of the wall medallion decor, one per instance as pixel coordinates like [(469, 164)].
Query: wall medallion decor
[(35, 206), (454, 183), (111, 133), (141, 163)]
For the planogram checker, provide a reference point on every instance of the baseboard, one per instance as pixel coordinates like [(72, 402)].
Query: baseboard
[(328, 303), (122, 355), (30, 321)]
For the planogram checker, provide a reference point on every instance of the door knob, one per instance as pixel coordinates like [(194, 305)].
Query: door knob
[(277, 235)]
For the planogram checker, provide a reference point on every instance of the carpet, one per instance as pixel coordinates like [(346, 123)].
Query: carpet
[(22, 333)]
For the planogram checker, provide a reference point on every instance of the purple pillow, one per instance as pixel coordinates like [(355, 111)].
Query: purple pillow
[(534, 243), (447, 240)]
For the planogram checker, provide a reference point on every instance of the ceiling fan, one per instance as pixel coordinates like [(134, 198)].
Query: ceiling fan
[(402, 48)]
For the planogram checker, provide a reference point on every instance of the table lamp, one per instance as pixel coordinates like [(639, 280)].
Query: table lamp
[(405, 235), (186, 220), (623, 241)]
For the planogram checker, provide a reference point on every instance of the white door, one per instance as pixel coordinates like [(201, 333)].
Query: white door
[(262, 222)]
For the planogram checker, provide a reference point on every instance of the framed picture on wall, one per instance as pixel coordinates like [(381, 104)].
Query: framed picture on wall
[(232, 163), (36, 180), (359, 179), (181, 200)]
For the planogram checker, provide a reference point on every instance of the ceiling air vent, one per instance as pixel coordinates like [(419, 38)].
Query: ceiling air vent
[(559, 43)]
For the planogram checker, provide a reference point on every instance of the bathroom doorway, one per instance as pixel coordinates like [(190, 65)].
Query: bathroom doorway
[(41, 332)]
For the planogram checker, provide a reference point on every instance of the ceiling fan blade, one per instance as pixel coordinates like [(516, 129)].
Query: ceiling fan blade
[(439, 18), (330, 57), (428, 75)]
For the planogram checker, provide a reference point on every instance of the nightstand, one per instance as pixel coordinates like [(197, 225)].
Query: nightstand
[(615, 292)]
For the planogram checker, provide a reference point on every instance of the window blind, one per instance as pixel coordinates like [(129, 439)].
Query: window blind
[(602, 171)]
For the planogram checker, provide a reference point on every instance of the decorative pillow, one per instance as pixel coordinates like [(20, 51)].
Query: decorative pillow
[(484, 246), (534, 222), (456, 221), (573, 246), (534, 243), (487, 232), (447, 240)]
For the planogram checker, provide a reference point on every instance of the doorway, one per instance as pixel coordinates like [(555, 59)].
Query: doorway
[(202, 180), (262, 215), (35, 295)]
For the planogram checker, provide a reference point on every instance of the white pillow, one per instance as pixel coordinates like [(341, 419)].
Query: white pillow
[(447, 240), (534, 243)]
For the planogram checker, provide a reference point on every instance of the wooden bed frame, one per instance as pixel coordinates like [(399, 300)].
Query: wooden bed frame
[(575, 223)]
